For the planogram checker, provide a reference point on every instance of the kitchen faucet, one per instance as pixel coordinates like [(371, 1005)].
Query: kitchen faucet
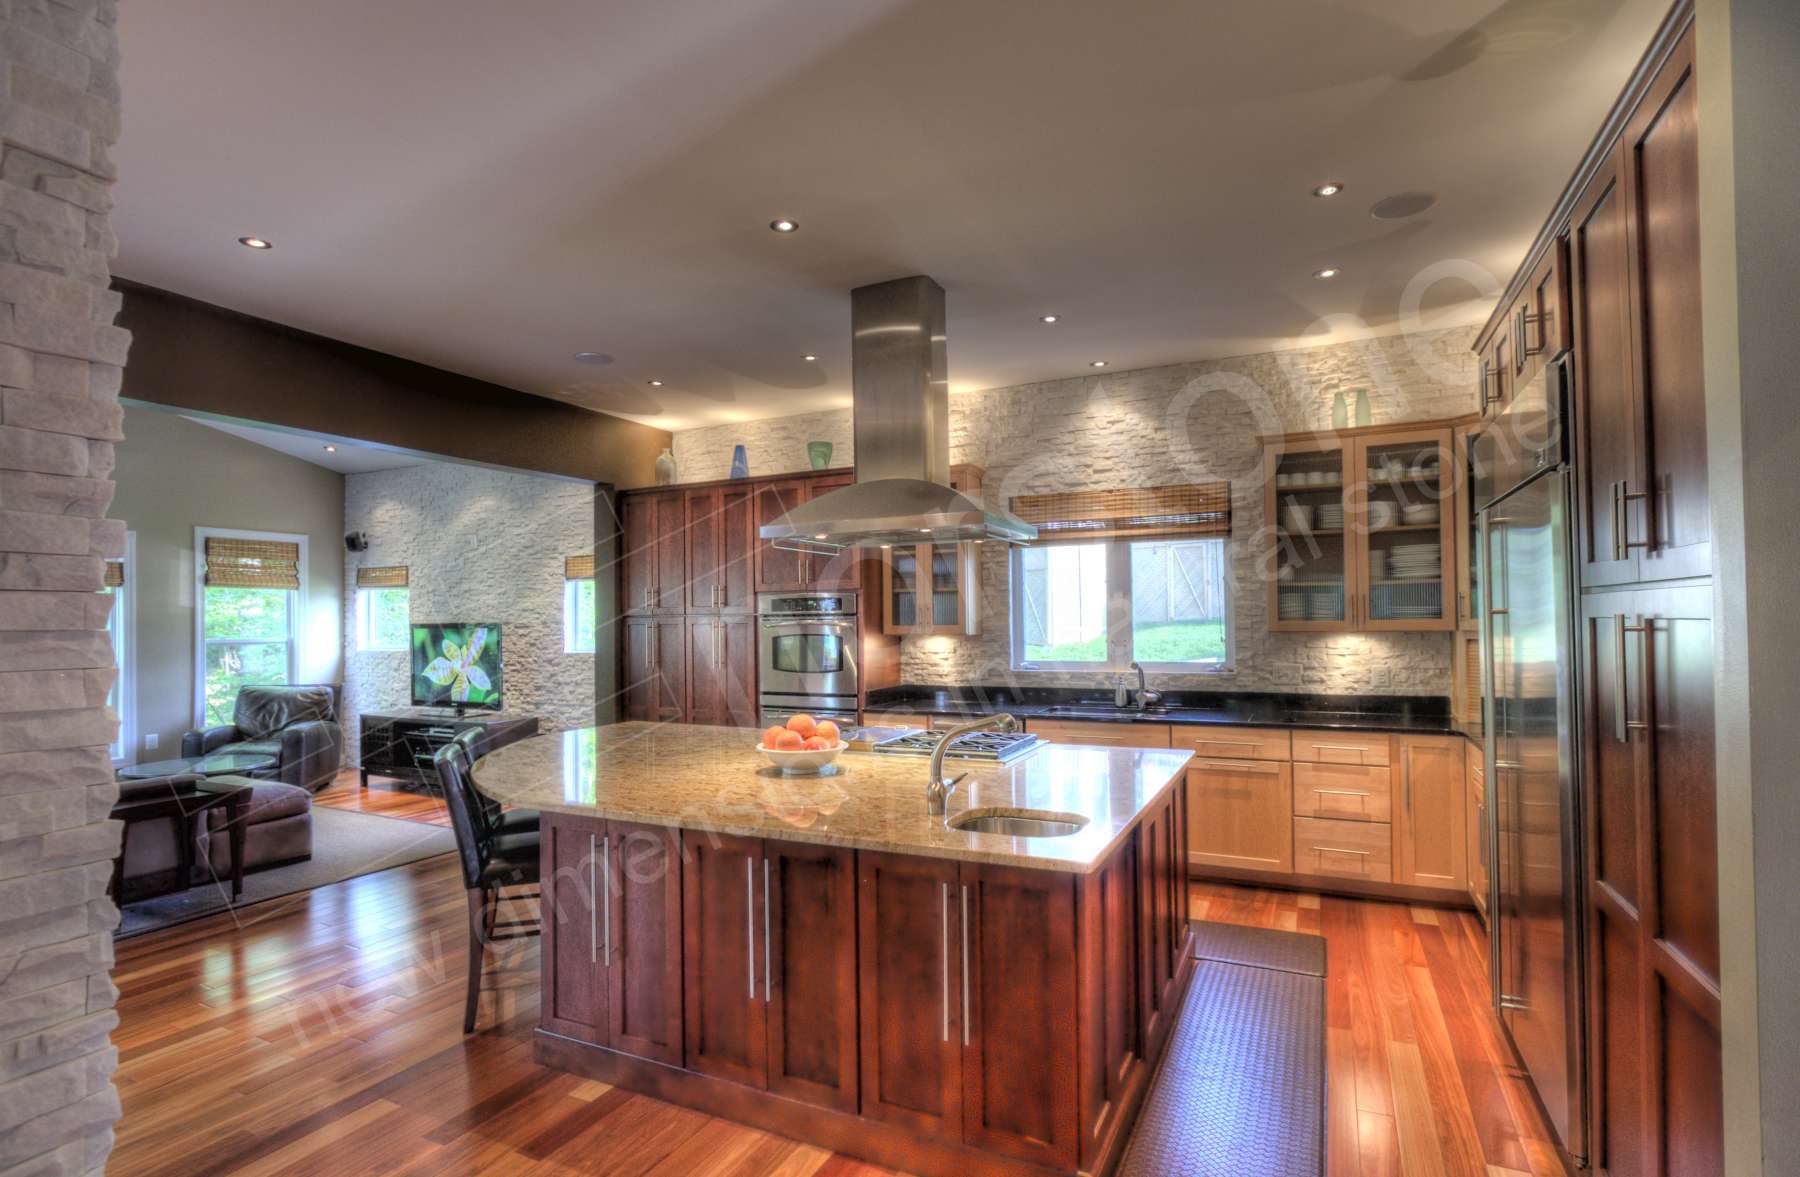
[(1145, 696), (937, 790)]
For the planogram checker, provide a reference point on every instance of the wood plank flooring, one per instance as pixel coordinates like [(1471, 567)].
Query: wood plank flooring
[(328, 1040), (387, 798)]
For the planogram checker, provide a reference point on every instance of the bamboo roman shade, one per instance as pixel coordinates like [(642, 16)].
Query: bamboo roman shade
[(115, 574), (1193, 510), (390, 576), (578, 568), (252, 563)]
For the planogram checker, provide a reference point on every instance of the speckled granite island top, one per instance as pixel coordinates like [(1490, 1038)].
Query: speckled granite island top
[(712, 778)]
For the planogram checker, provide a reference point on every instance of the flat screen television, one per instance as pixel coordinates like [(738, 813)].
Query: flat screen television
[(457, 664)]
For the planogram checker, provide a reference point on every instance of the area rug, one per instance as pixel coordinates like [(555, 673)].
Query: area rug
[(345, 844)]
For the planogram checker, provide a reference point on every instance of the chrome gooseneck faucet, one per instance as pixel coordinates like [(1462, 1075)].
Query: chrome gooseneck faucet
[(1145, 696), (937, 791)]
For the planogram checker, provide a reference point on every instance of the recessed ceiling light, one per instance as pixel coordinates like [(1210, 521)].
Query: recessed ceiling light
[(255, 243), (783, 225), (809, 358), (1330, 188), (331, 449), (1097, 363), (1048, 318), (656, 384), (1327, 272), (592, 357)]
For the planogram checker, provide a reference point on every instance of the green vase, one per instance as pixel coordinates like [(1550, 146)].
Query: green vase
[(820, 453)]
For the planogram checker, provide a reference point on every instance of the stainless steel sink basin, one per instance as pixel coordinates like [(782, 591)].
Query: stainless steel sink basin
[(1018, 823), (1090, 711)]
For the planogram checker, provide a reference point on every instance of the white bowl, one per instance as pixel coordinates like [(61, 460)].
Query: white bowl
[(801, 763)]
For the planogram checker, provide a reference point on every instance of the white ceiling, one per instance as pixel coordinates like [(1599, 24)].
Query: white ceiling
[(492, 187), (348, 457)]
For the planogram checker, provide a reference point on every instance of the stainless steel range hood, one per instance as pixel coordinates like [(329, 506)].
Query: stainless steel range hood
[(901, 425)]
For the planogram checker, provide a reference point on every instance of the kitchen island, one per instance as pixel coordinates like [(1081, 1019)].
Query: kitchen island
[(820, 957)]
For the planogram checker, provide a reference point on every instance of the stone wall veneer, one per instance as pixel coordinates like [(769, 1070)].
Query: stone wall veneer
[(60, 372)]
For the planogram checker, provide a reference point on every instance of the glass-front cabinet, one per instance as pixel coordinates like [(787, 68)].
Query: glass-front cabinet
[(1364, 526), (930, 589)]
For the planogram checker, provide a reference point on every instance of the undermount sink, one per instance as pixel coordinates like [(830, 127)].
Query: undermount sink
[(1018, 823)]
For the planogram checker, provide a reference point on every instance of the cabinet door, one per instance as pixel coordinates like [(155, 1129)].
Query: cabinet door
[(1671, 526), (574, 988), (778, 569), (1430, 840), (671, 553), (1108, 1028), (720, 550), (1019, 1094), (842, 570), (1241, 814), (651, 694), (1606, 418), (641, 938), (809, 980), (725, 1015), (637, 560), (1403, 520), (1157, 913), (911, 978), (1306, 508), (721, 661), (1468, 544), (903, 591)]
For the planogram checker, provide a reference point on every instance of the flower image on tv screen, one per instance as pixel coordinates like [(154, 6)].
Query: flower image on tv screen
[(456, 663)]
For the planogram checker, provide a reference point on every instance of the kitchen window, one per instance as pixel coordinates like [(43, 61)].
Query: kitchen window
[(580, 623), (1104, 605), (121, 624), (249, 588), (1117, 577)]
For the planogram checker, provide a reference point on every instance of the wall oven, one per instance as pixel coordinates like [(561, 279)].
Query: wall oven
[(806, 654)]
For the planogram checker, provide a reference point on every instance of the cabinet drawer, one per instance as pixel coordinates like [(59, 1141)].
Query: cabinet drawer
[(1349, 849), (1231, 743), (1122, 735), (1341, 747), (1351, 792), (879, 719)]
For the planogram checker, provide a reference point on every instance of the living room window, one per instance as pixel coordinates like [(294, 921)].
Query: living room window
[(248, 588), (1124, 576), (579, 621), (383, 608), (121, 625)]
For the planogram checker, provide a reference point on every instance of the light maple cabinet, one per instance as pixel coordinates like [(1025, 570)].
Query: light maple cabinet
[(1241, 814), (1478, 852), (1430, 812), (1364, 525), (934, 588), (1120, 735)]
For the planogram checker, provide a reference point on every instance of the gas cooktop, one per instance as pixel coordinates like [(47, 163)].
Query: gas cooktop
[(1000, 746)]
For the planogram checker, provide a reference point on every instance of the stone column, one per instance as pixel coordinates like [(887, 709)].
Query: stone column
[(60, 365)]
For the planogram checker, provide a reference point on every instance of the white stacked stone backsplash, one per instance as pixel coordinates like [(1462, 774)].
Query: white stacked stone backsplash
[(482, 545), (1191, 422), (60, 375)]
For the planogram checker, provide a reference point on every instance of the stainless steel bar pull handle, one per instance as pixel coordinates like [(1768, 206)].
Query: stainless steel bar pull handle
[(1339, 850), (965, 964), (1627, 496), (593, 901), (606, 892), (1342, 792), (1623, 724), (944, 933), (768, 939), (750, 923)]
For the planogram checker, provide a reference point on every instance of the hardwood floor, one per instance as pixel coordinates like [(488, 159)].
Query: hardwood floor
[(384, 797), (328, 1040)]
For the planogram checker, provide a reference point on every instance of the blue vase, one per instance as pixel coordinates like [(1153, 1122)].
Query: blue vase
[(740, 462)]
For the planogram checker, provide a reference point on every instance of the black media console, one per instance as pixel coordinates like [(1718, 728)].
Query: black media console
[(400, 744)]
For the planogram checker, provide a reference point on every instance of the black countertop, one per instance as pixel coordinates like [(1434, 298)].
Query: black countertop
[(1414, 714)]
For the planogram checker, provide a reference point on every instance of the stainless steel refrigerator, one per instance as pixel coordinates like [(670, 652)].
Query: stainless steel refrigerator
[(1523, 494)]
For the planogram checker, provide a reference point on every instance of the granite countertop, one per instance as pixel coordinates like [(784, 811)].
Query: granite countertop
[(712, 778)]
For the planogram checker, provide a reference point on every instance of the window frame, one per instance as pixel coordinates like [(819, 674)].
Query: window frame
[(363, 644), (122, 624), (295, 599), (1118, 614), (572, 607)]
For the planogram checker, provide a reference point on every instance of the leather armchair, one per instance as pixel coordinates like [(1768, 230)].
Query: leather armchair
[(298, 725)]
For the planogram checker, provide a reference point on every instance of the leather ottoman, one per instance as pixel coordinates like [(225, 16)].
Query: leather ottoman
[(278, 830)]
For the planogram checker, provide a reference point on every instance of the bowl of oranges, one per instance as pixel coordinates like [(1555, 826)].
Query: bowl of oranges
[(802, 746)]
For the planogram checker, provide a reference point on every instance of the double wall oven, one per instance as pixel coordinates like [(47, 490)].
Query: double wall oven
[(806, 655)]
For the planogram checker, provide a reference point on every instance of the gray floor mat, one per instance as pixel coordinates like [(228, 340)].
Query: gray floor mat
[(1263, 948)]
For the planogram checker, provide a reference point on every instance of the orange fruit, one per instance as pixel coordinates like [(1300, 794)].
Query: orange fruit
[(818, 744), (828, 731), (806, 725), (771, 735), (789, 741)]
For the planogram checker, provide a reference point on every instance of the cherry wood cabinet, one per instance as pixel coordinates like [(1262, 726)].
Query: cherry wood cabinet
[(781, 569), (655, 656), (1430, 812), (722, 916), (611, 928), (1241, 814), (654, 561), (721, 550), (721, 665)]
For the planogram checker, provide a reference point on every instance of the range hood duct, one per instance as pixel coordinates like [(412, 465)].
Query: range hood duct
[(901, 425)]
